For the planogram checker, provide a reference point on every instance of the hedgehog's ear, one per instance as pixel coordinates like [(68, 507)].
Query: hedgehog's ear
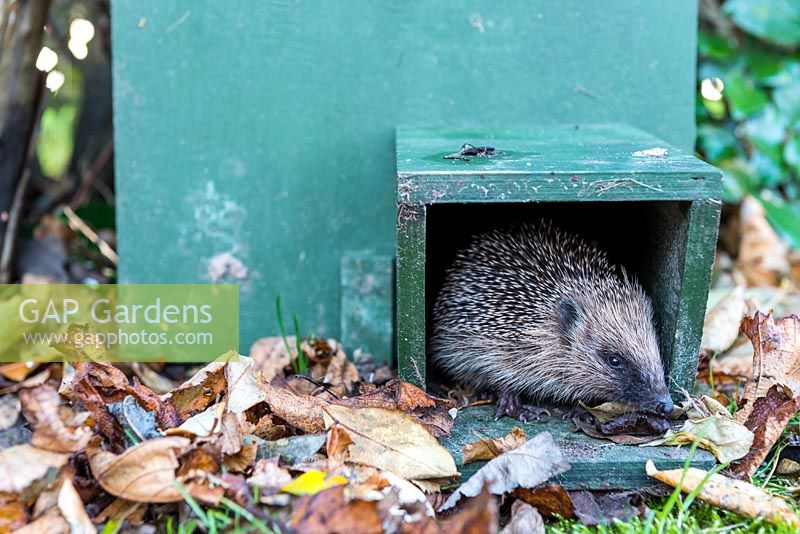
[(569, 314)]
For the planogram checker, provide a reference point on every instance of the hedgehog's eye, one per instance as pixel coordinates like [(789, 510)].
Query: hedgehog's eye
[(614, 360)]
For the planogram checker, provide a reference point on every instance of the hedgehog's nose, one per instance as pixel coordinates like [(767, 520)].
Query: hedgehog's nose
[(664, 405)]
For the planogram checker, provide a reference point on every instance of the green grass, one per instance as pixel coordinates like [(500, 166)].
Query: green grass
[(700, 517), (678, 514), (228, 517), (299, 364)]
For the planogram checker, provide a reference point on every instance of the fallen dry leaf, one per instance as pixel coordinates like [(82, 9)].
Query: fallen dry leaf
[(548, 499), (16, 371), (270, 356), (268, 475), (303, 412), (525, 519), (331, 511), (102, 420), (13, 515), (241, 461), (486, 449), (150, 378), (10, 408), (393, 441), (200, 460), (735, 366), (721, 325), (734, 495), (51, 523), (55, 427), (432, 412), (37, 462), (763, 256), (480, 516), (535, 462), (337, 443), (620, 425), (718, 433), (205, 423), (409, 496), (598, 508), (97, 385), (110, 382), (143, 473), (71, 507), (312, 482), (341, 374), (200, 391), (230, 438), (270, 427), (788, 468), (243, 386), (767, 421), (608, 411), (30, 382), (121, 511), (776, 359)]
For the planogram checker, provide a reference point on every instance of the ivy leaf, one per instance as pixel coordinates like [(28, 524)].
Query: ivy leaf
[(716, 143), (784, 216), (791, 153), (769, 171), (715, 46), (767, 130), (776, 21), (787, 98), (766, 67), (743, 95)]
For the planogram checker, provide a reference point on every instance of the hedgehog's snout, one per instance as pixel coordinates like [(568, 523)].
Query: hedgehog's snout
[(664, 405)]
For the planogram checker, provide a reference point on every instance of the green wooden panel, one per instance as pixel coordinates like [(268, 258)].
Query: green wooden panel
[(367, 314), (698, 260), (595, 464), (593, 162), (265, 128), (411, 304)]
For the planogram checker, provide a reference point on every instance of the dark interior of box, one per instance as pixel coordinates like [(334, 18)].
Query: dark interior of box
[(647, 238)]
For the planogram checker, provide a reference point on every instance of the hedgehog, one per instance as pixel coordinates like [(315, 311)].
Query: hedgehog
[(533, 313)]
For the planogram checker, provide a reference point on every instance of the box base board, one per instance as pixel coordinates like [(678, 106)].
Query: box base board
[(595, 464)]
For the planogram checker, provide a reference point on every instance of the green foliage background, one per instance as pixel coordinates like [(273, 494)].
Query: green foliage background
[(750, 49)]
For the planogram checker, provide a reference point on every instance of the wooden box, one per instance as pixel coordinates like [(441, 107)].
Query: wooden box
[(654, 208)]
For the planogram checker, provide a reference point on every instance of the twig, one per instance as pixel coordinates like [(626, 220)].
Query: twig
[(711, 12), (86, 181), (76, 223), (17, 203), (11, 228)]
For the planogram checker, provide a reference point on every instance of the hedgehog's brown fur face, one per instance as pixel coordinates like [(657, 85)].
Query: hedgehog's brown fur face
[(609, 333)]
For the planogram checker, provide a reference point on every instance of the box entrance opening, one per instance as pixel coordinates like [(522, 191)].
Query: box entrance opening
[(647, 238)]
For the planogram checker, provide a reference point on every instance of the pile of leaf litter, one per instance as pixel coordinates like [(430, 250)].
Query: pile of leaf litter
[(246, 443)]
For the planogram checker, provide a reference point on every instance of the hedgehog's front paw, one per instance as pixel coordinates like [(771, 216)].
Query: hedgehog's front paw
[(509, 404)]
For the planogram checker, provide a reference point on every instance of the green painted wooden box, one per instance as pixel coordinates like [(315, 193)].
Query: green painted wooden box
[(653, 207)]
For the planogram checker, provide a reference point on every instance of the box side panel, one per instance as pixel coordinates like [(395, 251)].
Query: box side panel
[(411, 283), (701, 239)]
